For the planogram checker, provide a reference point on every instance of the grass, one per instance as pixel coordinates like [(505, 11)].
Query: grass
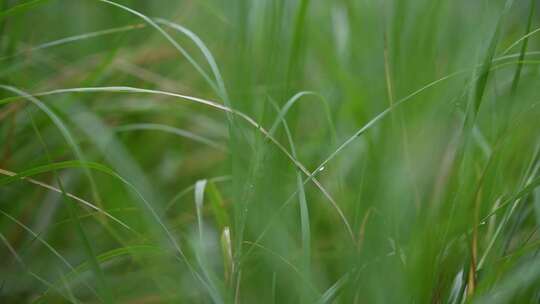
[(269, 151)]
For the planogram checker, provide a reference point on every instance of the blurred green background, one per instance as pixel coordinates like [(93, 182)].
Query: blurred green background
[(269, 151)]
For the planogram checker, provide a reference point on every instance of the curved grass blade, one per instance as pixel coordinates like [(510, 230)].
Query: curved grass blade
[(185, 191), (517, 74), (226, 251), (481, 83), (76, 38), (70, 195), (206, 53), (171, 130), (21, 8), (218, 206), (200, 186), (292, 101), (331, 293), (168, 37)]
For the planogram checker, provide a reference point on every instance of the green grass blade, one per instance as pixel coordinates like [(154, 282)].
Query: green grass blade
[(218, 206), (519, 66), (481, 83), (200, 186), (172, 130), (21, 8), (17, 176)]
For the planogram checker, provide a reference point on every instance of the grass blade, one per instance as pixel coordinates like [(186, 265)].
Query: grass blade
[(21, 8)]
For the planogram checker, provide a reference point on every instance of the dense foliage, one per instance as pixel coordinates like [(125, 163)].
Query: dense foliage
[(269, 151)]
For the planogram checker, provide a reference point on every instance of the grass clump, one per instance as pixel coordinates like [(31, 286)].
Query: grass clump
[(269, 151)]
